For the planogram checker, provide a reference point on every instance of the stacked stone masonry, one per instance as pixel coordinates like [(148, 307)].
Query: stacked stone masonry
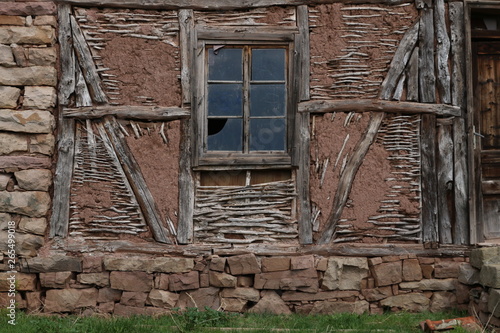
[(306, 284), (28, 77)]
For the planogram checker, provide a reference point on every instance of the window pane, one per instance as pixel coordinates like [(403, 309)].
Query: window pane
[(267, 100), (225, 64), (267, 134), (225, 99), (224, 134), (268, 64)]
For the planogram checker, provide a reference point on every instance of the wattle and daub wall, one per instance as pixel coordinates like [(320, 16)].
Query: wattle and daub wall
[(135, 62)]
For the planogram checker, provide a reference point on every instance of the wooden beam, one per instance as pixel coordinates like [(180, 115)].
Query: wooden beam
[(426, 66), (399, 61), (62, 179), (457, 54), (491, 186), (304, 51), (87, 63), (186, 36), (67, 57), (348, 175), (412, 75), (445, 180), (429, 179), (442, 52), (147, 113), (137, 181), (373, 105), (216, 4), (303, 191), (186, 187)]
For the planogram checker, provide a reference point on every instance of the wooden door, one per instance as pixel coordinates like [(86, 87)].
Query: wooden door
[(487, 137)]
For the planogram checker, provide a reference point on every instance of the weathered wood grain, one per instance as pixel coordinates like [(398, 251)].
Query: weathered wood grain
[(412, 77), (186, 36), (147, 113), (456, 10), (67, 57), (371, 105), (186, 187), (303, 192), (461, 230), (304, 51), (348, 175), (445, 180), (426, 65), (442, 52), (429, 180)]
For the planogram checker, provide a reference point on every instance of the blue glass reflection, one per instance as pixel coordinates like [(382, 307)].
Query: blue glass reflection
[(225, 99), (268, 64), (225, 134), (267, 134), (267, 100), (225, 64)]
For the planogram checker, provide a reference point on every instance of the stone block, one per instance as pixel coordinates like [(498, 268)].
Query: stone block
[(28, 8), (171, 265), (468, 274), (131, 281), (204, 280), (27, 35), (490, 275), (133, 298), (275, 264), (322, 264), (108, 307), (221, 280), (10, 143), (92, 264), (34, 301), (186, 281), (32, 203), (21, 281), (388, 273), (34, 179), (68, 300), (447, 269), (9, 95), (126, 263), (162, 281), (462, 293), (6, 56), (45, 20), (42, 56), (55, 280), (108, 295), (298, 296), (443, 301), (55, 263), (27, 245), (494, 302), (412, 270), (427, 271), (217, 264), (28, 76), (431, 284), (304, 280), (42, 144), (484, 255), (39, 97), (245, 280), (411, 302), (162, 299), (377, 294), (233, 304), (345, 273), (97, 279), (302, 262), (248, 294), (204, 297), (243, 264), (270, 303), (331, 307), (26, 121), (4, 181), (34, 225), (12, 20)]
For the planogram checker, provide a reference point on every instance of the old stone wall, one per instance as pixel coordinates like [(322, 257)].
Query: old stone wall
[(307, 284), (28, 77)]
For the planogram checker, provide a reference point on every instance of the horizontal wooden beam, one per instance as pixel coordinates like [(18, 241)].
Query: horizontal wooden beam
[(374, 105), (128, 112), (216, 4), (491, 186)]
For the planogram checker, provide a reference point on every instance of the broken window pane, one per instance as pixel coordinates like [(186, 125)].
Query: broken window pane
[(225, 99), (224, 134), (267, 134), (225, 64), (268, 64), (267, 100)]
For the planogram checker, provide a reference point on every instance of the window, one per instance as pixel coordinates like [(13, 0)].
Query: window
[(245, 115)]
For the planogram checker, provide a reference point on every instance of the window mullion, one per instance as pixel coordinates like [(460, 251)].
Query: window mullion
[(246, 99)]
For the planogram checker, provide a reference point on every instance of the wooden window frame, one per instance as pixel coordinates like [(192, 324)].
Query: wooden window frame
[(202, 158)]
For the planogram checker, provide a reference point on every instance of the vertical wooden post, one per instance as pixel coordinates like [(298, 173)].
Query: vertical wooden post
[(67, 59), (186, 187), (427, 77), (304, 51), (445, 180), (186, 27), (442, 52)]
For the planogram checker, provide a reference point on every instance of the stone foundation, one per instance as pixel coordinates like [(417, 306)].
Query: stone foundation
[(307, 284)]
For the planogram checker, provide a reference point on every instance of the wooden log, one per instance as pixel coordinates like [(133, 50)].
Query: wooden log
[(147, 113), (216, 4), (426, 67), (87, 63), (15, 163), (62, 179), (399, 61), (303, 197), (412, 77), (429, 180), (137, 181), (442, 52), (186, 36), (186, 187), (348, 175), (304, 51), (461, 230), (82, 94), (445, 180), (371, 105), (456, 10), (67, 57)]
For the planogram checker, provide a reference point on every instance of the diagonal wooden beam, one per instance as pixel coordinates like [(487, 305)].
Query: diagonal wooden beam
[(348, 175)]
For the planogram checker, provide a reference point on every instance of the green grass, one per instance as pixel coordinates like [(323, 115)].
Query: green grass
[(213, 321)]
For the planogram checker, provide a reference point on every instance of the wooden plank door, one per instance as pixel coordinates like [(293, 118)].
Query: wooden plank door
[(487, 137)]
